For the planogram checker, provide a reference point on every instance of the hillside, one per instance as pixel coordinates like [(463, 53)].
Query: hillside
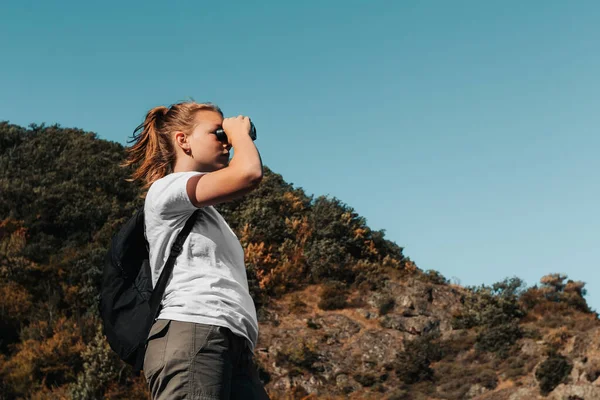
[(343, 312)]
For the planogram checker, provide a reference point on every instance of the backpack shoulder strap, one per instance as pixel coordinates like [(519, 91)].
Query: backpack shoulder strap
[(161, 285)]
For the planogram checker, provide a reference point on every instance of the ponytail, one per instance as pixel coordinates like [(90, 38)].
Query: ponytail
[(152, 151)]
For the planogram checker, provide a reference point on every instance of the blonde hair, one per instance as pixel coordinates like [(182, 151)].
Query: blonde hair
[(153, 153)]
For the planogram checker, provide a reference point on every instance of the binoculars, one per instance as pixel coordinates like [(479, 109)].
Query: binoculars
[(223, 137)]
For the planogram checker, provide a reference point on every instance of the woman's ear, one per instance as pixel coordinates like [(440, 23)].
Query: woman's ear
[(182, 142)]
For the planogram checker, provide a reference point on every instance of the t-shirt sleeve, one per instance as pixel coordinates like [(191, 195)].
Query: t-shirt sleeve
[(170, 198)]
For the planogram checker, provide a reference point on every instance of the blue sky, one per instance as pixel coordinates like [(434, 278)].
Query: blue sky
[(466, 129)]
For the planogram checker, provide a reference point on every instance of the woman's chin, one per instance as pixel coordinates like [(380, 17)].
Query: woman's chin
[(221, 165)]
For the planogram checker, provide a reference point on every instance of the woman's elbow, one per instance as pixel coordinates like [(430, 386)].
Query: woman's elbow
[(254, 178)]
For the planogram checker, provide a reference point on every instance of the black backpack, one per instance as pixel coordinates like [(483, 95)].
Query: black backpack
[(128, 303)]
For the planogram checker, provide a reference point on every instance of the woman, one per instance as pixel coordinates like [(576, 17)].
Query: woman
[(200, 346)]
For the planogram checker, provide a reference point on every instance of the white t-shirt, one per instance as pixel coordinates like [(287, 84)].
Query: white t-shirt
[(209, 283)]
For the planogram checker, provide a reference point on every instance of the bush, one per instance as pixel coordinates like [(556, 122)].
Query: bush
[(487, 378), (558, 338), (386, 304), (49, 362), (413, 364), (100, 367), (333, 296), (551, 372), (369, 276), (498, 339), (517, 365), (328, 259), (491, 305), (554, 290), (365, 380), (497, 311), (435, 277), (301, 354)]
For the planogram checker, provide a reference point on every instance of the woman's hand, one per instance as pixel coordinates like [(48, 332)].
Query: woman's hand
[(236, 127)]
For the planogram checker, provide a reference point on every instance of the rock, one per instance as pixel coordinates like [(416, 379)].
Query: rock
[(420, 325), (337, 327), (309, 383), (283, 384), (567, 392), (408, 312), (373, 347), (277, 370), (346, 384), (393, 322), (405, 301), (578, 374), (530, 347), (475, 390), (342, 380), (345, 324), (529, 393)]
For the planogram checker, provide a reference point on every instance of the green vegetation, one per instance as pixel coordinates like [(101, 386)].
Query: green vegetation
[(413, 364), (301, 354), (556, 295), (64, 195), (495, 311), (386, 304), (552, 371)]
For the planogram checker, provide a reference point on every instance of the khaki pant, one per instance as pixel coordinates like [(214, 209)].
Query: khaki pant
[(185, 360)]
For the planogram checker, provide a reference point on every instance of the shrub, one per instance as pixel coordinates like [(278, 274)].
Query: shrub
[(328, 259), (491, 305), (50, 362), (517, 365), (100, 367), (498, 339), (386, 304), (487, 378), (552, 371), (369, 275), (497, 310), (558, 338), (553, 289), (299, 353), (435, 277), (333, 296), (413, 364)]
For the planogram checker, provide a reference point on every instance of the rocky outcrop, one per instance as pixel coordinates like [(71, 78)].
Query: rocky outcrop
[(349, 350), (354, 352)]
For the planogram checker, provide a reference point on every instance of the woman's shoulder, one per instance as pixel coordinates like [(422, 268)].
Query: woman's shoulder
[(168, 182), (168, 195)]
